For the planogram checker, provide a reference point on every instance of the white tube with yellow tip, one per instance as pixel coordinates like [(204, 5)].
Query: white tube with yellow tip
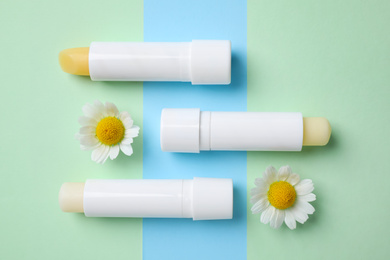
[(199, 199), (198, 62), (192, 131)]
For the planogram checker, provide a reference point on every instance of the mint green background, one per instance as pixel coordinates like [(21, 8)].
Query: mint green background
[(331, 59), (40, 106)]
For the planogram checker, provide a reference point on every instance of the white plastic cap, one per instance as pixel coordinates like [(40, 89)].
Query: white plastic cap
[(180, 130), (212, 198), (211, 62)]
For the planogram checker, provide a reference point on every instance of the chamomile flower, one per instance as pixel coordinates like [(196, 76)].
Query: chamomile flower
[(282, 197), (105, 131)]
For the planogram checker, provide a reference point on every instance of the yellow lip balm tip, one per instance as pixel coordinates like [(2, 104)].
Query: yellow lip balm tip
[(316, 131), (71, 197), (75, 61)]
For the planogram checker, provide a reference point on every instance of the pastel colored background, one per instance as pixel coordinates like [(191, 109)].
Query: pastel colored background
[(321, 58), (40, 109), (331, 59)]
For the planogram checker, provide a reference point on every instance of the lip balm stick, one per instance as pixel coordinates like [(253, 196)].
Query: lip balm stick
[(199, 199), (191, 131), (198, 62)]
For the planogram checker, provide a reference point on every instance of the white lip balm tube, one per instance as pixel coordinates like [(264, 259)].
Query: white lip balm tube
[(192, 131), (199, 199), (198, 62)]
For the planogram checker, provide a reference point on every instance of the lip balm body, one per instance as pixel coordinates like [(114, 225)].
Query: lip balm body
[(190, 130), (199, 61), (200, 198)]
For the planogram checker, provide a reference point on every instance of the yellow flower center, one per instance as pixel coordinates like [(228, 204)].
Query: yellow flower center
[(110, 130), (281, 194)]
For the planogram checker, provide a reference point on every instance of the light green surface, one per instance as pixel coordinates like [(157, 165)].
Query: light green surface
[(40, 106), (331, 59)]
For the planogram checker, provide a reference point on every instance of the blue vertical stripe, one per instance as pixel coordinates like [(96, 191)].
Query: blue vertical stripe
[(179, 21)]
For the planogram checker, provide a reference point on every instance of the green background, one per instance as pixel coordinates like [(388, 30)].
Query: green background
[(321, 58), (40, 109), (330, 59)]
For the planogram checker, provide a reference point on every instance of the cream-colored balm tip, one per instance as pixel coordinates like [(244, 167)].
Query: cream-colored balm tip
[(316, 131), (75, 61), (71, 197)]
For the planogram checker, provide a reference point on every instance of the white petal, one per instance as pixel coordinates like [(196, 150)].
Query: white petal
[(277, 218), (132, 132), (289, 219), (128, 123), (258, 190), (78, 136), (270, 171), (97, 153), (308, 197), (304, 206), (88, 140), (254, 191), (284, 172), (127, 141), (259, 206), (304, 187), (114, 152), (259, 182), (124, 115), (87, 130), (126, 149), (87, 121), (299, 216), (267, 214), (90, 111), (293, 179), (257, 196), (280, 219), (86, 148), (104, 155), (269, 175), (111, 109), (105, 159), (100, 108)]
